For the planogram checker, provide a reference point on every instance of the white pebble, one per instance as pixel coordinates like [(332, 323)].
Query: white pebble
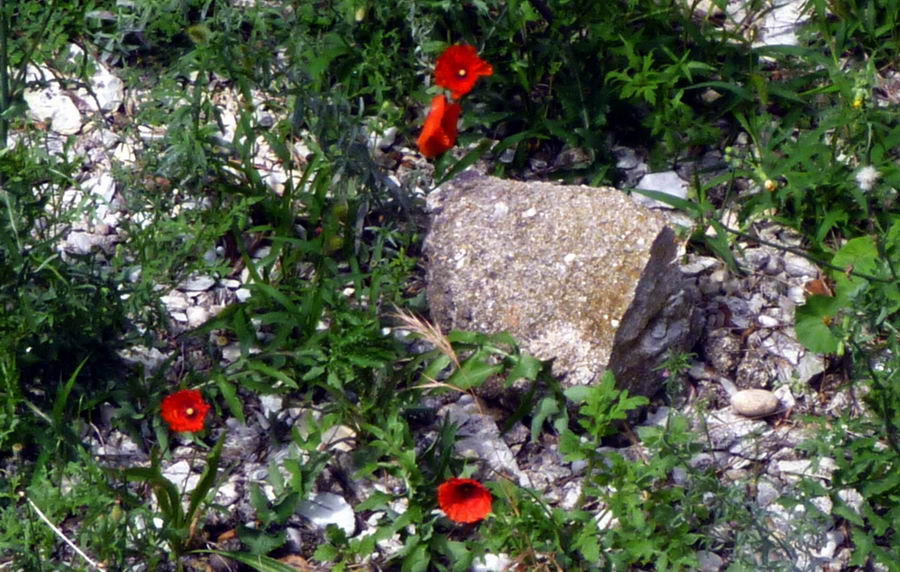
[(754, 402)]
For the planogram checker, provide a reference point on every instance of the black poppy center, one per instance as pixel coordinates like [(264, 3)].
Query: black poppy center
[(466, 490)]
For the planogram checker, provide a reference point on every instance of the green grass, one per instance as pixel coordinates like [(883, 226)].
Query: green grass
[(566, 74)]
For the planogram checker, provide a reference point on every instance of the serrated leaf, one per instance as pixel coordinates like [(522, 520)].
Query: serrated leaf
[(880, 486), (570, 447), (260, 542), (526, 366), (848, 514), (325, 553), (260, 504), (577, 393)]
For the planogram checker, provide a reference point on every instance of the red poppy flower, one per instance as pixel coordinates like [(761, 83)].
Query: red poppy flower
[(464, 500), (458, 68), (185, 410), (439, 132)]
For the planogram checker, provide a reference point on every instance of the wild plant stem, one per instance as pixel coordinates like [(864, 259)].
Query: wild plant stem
[(4, 75), (61, 535)]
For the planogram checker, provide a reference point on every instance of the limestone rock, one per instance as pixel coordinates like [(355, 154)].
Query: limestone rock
[(50, 103), (577, 274)]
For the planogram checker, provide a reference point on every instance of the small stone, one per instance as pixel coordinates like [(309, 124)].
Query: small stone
[(174, 301), (384, 140), (228, 492), (667, 182), (796, 295), (211, 255), (196, 316), (103, 186), (723, 350), (80, 242), (338, 438), (231, 352), (773, 266), (328, 508), (796, 265), (271, 404), (709, 561), (785, 397), (51, 103), (699, 264), (626, 159), (198, 283), (794, 470), (493, 563), (754, 402), (108, 88), (181, 475), (852, 499), (766, 493)]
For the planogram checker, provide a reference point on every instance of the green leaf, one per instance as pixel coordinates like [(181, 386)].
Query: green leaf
[(274, 294), (588, 543), (874, 487), (456, 552), (430, 373), (258, 541), (272, 372), (417, 559), (62, 396), (207, 479), (229, 392), (547, 407), (466, 161), (525, 366), (257, 562), (812, 329), (570, 446), (688, 207), (260, 504), (326, 553), (859, 254), (848, 514), (461, 337), (577, 393), (474, 371)]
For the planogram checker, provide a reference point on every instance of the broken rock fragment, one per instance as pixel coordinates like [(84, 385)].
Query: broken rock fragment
[(581, 275)]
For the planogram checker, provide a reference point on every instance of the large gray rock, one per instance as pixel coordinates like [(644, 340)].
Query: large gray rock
[(580, 275)]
